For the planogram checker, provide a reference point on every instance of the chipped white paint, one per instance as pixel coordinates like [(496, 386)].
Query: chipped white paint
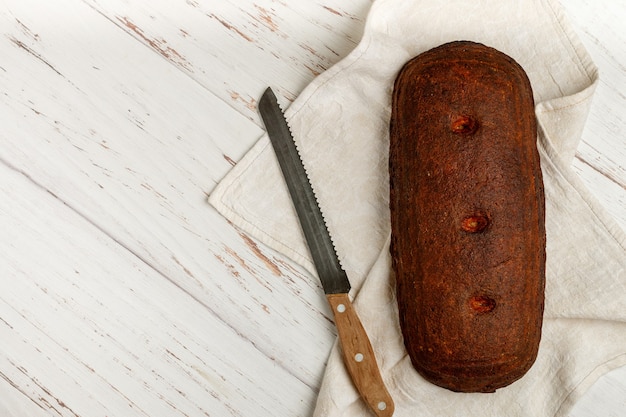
[(121, 291)]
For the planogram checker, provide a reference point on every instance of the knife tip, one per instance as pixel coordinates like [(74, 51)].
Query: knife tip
[(268, 99), (269, 93)]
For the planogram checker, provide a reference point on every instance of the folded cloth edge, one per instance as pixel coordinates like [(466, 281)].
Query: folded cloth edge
[(552, 148)]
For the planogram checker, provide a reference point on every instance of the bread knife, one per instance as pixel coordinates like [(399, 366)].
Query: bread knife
[(357, 350)]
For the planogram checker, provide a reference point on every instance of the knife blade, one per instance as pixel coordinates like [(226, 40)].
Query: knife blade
[(357, 350)]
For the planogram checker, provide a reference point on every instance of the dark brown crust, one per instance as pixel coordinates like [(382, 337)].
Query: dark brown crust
[(467, 217)]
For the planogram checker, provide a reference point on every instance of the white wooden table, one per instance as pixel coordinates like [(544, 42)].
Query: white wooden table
[(122, 292)]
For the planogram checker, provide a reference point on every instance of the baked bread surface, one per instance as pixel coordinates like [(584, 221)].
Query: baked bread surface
[(467, 217)]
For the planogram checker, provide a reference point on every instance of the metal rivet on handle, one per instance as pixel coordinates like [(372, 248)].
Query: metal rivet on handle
[(341, 308), (382, 406), (359, 357)]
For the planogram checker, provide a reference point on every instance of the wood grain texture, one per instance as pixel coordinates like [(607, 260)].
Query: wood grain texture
[(119, 157), (90, 329), (359, 357), (121, 291), (601, 157), (230, 40)]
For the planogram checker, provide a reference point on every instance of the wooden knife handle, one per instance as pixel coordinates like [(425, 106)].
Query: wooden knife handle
[(359, 356)]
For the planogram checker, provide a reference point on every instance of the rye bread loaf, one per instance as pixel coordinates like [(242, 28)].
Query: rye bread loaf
[(467, 217)]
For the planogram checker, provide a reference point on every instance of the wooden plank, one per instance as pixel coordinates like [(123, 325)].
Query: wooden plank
[(134, 145), (603, 147), (15, 403), (237, 48), (132, 135), (88, 329)]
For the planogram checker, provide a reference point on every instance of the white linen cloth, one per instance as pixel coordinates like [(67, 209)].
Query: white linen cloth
[(340, 122)]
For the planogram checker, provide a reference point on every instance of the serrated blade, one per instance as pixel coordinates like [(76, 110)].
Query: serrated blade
[(358, 354), (333, 277)]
